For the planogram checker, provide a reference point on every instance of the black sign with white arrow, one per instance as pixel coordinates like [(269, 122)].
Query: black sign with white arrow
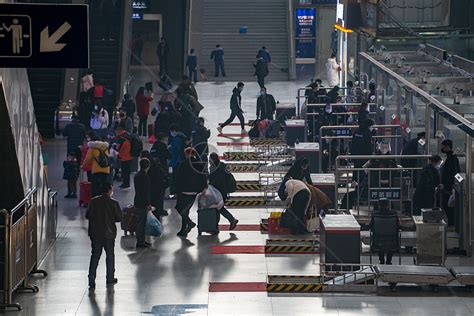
[(44, 36)]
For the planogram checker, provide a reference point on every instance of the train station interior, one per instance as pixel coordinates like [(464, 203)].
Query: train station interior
[(236, 157)]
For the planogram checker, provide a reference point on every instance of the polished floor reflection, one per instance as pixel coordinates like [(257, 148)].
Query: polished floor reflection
[(173, 276)]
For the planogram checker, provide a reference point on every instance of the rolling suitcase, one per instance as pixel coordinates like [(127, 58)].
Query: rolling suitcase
[(208, 221), (85, 193), (129, 220)]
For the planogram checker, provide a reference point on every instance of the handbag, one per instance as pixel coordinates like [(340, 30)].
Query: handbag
[(452, 200), (312, 223)]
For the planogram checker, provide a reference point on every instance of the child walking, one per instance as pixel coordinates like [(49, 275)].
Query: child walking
[(71, 174)]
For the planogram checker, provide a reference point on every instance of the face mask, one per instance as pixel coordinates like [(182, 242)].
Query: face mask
[(445, 151), (173, 134), (384, 151), (96, 108), (111, 193), (263, 94), (371, 129), (328, 110), (438, 166)]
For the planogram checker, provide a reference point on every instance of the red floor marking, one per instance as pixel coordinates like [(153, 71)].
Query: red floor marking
[(241, 227), (237, 287), (224, 250), (233, 144)]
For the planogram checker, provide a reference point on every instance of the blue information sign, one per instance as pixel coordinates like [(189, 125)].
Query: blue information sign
[(305, 33)]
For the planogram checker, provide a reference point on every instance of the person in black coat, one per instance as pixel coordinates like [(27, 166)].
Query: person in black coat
[(167, 117), (235, 108), (266, 105), (128, 106), (427, 186), (142, 200), (412, 149), (448, 171), (333, 95), (362, 145), (300, 171), (158, 183), (76, 135), (189, 179), (261, 71), (200, 136), (363, 113), (218, 179), (191, 63), (159, 150)]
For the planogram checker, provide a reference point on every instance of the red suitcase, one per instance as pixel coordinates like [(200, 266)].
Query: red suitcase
[(85, 193)]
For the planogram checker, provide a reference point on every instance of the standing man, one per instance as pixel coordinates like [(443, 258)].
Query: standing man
[(235, 108), (162, 52), (128, 106), (448, 171), (76, 135), (261, 71), (218, 56), (265, 54), (103, 212), (266, 105), (142, 201), (428, 184), (191, 63)]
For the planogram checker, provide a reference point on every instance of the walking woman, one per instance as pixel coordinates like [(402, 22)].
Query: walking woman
[(218, 177)]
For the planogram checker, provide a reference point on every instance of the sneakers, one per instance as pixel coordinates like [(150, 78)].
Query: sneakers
[(233, 224), (219, 129), (112, 282)]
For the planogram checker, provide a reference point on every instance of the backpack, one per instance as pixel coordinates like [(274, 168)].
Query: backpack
[(136, 145), (102, 160), (231, 184)]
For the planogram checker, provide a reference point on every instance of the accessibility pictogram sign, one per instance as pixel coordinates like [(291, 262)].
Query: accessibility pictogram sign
[(44, 36)]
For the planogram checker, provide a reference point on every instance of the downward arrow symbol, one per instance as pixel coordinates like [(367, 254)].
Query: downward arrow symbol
[(49, 43)]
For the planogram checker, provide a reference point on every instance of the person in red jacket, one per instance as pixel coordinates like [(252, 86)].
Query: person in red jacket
[(143, 110)]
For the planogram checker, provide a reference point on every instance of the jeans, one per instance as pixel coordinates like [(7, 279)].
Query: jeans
[(142, 125), (219, 65), (261, 81), (98, 179), (227, 215), (72, 186), (141, 222), (97, 246), (184, 203), (233, 114), (193, 74), (126, 165)]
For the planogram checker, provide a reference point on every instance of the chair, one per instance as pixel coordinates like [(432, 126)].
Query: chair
[(385, 234)]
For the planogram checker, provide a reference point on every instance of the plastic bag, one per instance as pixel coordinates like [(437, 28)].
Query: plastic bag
[(153, 226), (312, 223), (210, 199), (452, 200)]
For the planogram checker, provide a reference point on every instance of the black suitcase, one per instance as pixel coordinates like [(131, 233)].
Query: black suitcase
[(208, 221)]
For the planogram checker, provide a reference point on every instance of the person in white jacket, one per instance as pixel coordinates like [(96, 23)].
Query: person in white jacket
[(99, 121), (333, 69)]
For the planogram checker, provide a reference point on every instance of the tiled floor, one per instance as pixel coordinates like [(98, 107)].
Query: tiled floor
[(172, 277)]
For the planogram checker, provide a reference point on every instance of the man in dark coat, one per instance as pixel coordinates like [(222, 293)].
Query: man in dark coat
[(159, 150), (362, 145), (448, 171), (200, 136), (191, 63), (76, 135), (265, 54), (412, 149), (235, 108), (189, 180), (266, 105), (261, 71), (103, 212), (142, 200), (162, 52), (427, 186), (128, 106), (218, 56), (159, 181)]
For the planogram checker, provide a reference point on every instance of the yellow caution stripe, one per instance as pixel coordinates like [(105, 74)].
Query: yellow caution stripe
[(245, 202), (243, 167), (292, 249), (249, 186), (240, 156), (293, 288), (266, 142)]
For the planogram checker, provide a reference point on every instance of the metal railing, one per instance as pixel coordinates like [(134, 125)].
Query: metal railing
[(348, 277), (365, 185), (337, 140), (20, 248)]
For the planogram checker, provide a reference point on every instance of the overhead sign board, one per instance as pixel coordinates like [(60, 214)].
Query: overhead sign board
[(44, 36)]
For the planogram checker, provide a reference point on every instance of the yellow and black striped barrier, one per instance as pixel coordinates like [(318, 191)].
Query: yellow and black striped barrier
[(294, 284), (264, 225), (245, 201), (240, 156), (248, 186), (267, 142), (243, 167), (291, 246)]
